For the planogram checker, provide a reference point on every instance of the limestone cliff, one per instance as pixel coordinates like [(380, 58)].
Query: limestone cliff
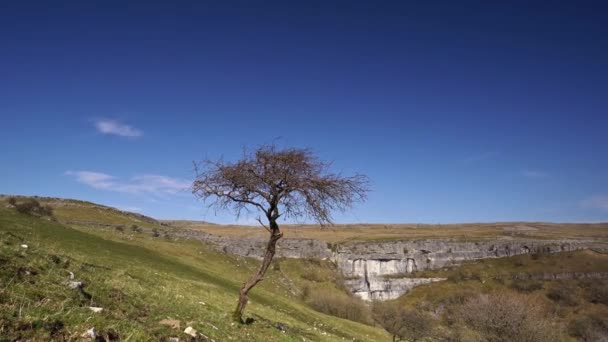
[(384, 270), (381, 270)]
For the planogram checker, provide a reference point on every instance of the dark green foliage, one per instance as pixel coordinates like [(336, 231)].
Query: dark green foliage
[(33, 207), (342, 306)]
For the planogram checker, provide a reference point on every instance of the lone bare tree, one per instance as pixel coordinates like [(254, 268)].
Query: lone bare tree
[(278, 183)]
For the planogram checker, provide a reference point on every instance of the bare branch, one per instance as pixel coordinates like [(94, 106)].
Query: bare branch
[(292, 182), (263, 225)]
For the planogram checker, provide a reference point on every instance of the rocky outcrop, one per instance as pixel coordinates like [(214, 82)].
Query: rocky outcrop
[(373, 286), (383, 270), (386, 270), (254, 248)]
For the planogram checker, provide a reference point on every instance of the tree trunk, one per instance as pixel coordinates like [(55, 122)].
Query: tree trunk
[(275, 235)]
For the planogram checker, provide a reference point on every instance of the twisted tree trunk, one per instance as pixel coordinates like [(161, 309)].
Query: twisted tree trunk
[(275, 235)]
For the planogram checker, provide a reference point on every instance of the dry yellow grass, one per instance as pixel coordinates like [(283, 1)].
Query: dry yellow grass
[(377, 232)]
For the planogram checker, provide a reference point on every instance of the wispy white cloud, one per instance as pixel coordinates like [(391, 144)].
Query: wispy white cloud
[(535, 174), (144, 184), (596, 202), (113, 127)]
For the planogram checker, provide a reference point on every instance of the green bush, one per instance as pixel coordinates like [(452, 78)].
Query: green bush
[(401, 322), (339, 305), (33, 207)]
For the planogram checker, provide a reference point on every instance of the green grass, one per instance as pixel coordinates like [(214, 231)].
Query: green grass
[(139, 281)]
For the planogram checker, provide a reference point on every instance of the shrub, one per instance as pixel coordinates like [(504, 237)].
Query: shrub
[(33, 207), (589, 328), (401, 322), (508, 317), (136, 228), (596, 291), (339, 305), (527, 285), (47, 210), (120, 229), (564, 294), (12, 201), (28, 206), (155, 232)]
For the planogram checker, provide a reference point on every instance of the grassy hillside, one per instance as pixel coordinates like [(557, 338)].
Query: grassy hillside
[(141, 282), (151, 287)]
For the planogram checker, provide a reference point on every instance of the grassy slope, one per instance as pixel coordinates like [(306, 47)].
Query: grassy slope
[(140, 281)]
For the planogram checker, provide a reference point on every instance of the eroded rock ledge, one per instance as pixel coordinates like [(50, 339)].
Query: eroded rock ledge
[(382, 270)]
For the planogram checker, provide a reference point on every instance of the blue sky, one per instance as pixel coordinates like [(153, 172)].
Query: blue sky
[(457, 111)]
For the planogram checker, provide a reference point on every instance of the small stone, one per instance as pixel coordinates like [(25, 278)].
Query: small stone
[(92, 333), (24, 246), (281, 327), (202, 303), (190, 331), (173, 339), (71, 276), (95, 309), (74, 284)]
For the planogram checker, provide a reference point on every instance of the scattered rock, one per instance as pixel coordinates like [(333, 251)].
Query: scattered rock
[(92, 333), (71, 276), (95, 309), (190, 331), (281, 327), (173, 339), (24, 246), (75, 284), (173, 323), (202, 303)]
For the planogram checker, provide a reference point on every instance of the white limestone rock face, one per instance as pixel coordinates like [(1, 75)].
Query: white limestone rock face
[(379, 279), (383, 270)]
